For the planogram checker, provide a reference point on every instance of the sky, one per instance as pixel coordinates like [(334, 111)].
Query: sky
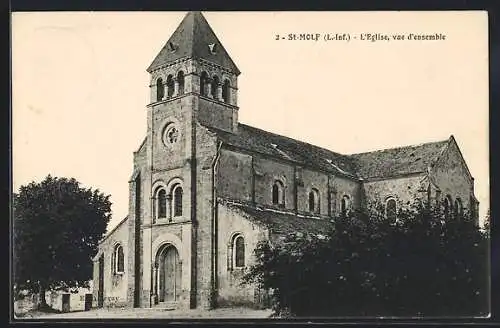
[(80, 86)]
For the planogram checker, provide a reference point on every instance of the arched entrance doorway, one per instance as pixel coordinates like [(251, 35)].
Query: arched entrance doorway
[(169, 274)]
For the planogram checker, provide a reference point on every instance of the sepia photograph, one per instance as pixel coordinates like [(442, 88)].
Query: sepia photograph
[(250, 165)]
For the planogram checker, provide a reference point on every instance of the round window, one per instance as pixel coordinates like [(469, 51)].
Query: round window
[(170, 135)]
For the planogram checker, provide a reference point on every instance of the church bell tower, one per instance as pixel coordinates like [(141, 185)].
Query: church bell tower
[(193, 91), (194, 62)]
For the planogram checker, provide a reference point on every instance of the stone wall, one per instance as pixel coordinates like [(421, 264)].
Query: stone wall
[(234, 178), (405, 190), (452, 177), (203, 242), (231, 222), (342, 186), (309, 179), (166, 165), (249, 177), (115, 284), (131, 249), (267, 172), (176, 112), (216, 114)]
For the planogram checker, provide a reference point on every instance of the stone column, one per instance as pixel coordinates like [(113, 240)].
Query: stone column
[(169, 207), (165, 91), (230, 255), (209, 88), (219, 92), (176, 87), (155, 283), (153, 209)]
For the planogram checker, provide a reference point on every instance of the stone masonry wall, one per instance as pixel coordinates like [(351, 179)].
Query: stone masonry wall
[(115, 285), (311, 179), (95, 279), (206, 150), (170, 165), (131, 245), (231, 222), (176, 112), (404, 190), (235, 174), (267, 172), (343, 186), (216, 115), (451, 176)]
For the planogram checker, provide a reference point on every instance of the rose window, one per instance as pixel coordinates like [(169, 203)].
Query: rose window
[(171, 135)]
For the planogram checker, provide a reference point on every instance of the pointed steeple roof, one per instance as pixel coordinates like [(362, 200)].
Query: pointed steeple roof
[(194, 38)]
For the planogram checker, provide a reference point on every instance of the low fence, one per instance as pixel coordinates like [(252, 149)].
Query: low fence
[(61, 301)]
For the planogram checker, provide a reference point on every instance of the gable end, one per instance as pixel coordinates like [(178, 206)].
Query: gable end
[(453, 146)]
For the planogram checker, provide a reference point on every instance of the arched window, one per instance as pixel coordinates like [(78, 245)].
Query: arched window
[(170, 134), (447, 207), (314, 201), (203, 83), (177, 200), (391, 209), (170, 86), (160, 89), (458, 208), (118, 260), (161, 201), (278, 193), (238, 251), (215, 86), (345, 205), (226, 92), (180, 81)]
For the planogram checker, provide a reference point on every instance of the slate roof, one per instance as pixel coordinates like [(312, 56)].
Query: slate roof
[(384, 163), (191, 39), (398, 161), (288, 149), (282, 222)]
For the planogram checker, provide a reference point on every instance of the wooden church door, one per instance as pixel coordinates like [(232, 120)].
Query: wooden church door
[(170, 275)]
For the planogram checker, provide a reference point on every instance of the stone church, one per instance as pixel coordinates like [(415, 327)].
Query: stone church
[(206, 188)]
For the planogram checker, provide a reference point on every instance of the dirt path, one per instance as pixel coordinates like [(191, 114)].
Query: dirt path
[(235, 313)]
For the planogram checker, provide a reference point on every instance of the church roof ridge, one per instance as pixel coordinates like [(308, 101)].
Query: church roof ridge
[(422, 144)]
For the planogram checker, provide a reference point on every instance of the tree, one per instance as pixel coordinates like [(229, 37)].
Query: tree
[(421, 264), (487, 222), (57, 226)]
